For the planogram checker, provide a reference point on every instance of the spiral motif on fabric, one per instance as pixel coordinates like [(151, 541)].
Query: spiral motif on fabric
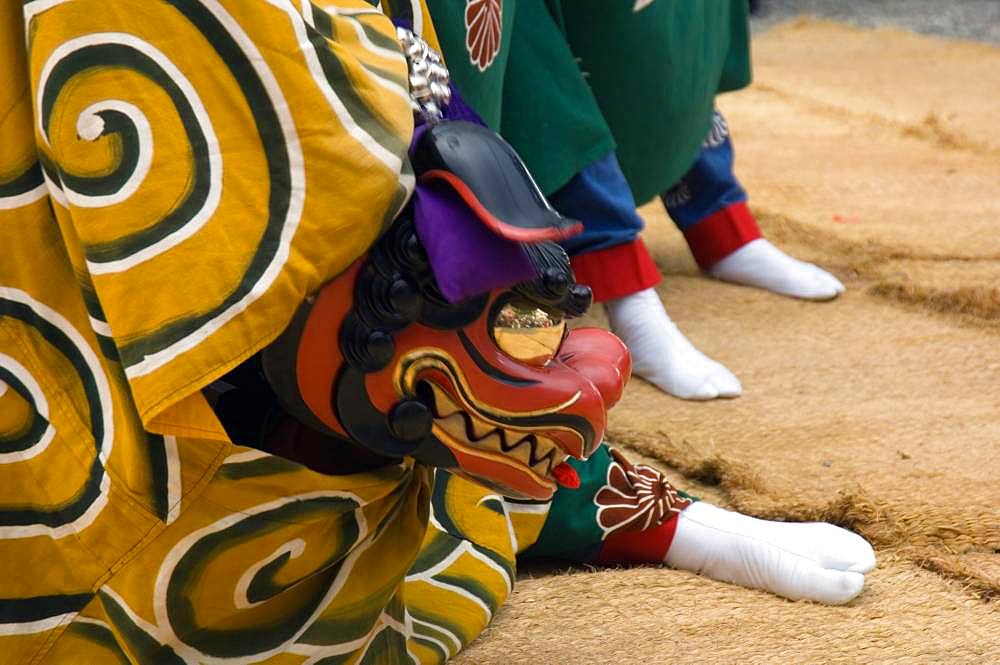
[(124, 129), (27, 443), (172, 135), (134, 145), (483, 31), (263, 552)]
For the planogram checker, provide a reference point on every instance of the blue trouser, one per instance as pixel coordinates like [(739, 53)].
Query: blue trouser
[(709, 185), (600, 197)]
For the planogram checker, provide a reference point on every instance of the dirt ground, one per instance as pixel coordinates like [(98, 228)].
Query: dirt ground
[(962, 19), (875, 154)]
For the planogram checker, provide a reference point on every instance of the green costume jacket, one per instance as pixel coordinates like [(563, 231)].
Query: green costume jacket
[(567, 81)]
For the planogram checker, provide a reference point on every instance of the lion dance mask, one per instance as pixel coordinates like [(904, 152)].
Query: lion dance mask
[(494, 387)]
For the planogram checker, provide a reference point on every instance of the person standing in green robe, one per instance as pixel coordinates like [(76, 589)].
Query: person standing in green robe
[(613, 103)]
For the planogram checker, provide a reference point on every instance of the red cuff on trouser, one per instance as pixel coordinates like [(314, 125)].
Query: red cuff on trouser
[(721, 233), (617, 271), (647, 546)]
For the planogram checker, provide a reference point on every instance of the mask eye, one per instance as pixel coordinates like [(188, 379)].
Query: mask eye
[(527, 333)]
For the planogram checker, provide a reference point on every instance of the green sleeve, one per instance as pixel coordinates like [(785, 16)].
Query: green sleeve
[(655, 74)]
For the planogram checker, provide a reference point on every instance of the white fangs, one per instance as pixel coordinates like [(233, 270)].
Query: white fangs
[(487, 436)]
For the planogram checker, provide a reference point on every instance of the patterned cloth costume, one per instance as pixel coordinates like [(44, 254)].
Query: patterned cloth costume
[(176, 180), (609, 104)]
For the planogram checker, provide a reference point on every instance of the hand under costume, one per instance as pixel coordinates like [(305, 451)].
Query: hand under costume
[(640, 518), (799, 561)]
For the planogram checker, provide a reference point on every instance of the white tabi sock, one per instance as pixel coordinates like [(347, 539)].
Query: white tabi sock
[(799, 561), (662, 355), (761, 264)]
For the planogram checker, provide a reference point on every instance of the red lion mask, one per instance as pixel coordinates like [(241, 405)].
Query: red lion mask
[(493, 388)]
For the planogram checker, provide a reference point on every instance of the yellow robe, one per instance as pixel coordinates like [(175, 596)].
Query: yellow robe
[(175, 178)]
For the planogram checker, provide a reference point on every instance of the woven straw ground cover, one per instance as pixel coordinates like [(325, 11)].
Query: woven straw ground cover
[(875, 154)]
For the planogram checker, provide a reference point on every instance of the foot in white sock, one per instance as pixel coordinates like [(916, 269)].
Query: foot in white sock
[(662, 355), (811, 561), (761, 264)]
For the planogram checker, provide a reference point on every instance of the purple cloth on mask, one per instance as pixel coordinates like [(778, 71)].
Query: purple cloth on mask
[(465, 256)]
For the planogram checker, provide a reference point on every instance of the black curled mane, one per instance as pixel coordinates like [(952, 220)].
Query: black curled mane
[(395, 288)]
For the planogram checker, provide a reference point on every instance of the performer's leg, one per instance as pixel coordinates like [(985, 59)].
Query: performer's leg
[(709, 207), (612, 260), (629, 513)]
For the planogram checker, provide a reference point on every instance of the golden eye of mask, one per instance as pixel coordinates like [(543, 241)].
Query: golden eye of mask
[(527, 333)]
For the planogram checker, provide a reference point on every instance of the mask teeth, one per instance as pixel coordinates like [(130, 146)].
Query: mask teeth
[(553, 458), (526, 449), (481, 429)]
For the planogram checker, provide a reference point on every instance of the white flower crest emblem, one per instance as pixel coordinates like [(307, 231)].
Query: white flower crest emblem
[(635, 497), (483, 30)]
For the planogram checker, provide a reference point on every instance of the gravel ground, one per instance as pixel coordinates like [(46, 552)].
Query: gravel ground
[(965, 19)]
